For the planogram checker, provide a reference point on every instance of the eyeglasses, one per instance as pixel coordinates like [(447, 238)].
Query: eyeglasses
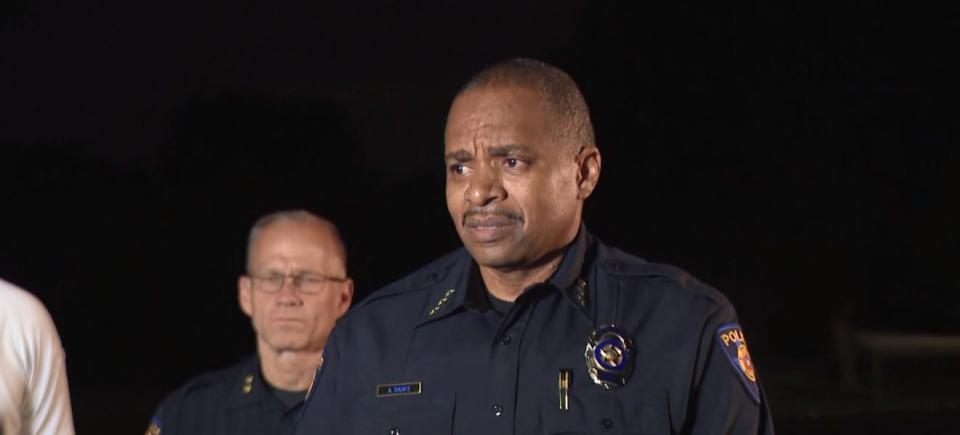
[(306, 283)]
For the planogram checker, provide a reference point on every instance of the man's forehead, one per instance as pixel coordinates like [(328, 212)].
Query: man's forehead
[(476, 103), (312, 253), (303, 236), (492, 115), (298, 228)]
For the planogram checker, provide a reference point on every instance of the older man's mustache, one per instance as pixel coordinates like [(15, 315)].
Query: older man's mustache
[(477, 216)]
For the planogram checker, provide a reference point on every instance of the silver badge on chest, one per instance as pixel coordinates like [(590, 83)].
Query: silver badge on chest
[(609, 356)]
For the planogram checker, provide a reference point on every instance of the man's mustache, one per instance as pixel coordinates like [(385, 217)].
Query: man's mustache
[(481, 213)]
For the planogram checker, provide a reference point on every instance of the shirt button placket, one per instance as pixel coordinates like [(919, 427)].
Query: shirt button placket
[(506, 355)]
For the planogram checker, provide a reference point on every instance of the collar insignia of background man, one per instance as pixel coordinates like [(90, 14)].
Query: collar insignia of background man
[(404, 389), (247, 383), (443, 300), (734, 346), (609, 356)]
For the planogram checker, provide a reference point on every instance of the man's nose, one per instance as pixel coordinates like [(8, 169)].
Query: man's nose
[(485, 187), (288, 291)]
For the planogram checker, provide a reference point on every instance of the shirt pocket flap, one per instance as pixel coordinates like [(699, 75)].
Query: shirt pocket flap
[(412, 414), (610, 412)]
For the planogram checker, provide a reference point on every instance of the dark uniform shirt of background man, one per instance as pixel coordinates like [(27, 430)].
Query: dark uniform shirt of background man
[(535, 327), (295, 289)]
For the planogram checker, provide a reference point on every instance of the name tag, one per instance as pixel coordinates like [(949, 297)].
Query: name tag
[(404, 389)]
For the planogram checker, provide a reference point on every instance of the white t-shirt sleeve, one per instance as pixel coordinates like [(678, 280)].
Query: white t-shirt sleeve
[(33, 371), (47, 402)]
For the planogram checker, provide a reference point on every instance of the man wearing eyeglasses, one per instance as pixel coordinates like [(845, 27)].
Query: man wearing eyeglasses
[(295, 289)]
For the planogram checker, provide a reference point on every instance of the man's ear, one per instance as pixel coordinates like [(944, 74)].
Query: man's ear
[(345, 298), (588, 171), (245, 295)]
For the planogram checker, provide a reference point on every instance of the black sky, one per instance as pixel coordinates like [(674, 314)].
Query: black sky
[(800, 158)]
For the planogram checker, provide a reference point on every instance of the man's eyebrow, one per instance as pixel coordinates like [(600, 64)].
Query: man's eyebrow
[(458, 155), (495, 151), (505, 150)]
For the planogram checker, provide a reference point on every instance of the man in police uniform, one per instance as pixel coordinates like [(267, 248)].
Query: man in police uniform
[(295, 289), (536, 327)]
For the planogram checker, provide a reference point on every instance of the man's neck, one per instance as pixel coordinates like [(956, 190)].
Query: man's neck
[(288, 370), (509, 284)]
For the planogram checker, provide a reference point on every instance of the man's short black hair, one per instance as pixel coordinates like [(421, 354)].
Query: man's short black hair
[(556, 88)]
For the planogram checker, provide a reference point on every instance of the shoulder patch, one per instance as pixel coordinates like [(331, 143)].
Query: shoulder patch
[(731, 340)]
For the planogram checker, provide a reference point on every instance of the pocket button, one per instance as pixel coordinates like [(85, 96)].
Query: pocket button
[(606, 424)]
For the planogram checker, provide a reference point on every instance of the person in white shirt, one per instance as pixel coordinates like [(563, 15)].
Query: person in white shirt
[(34, 397)]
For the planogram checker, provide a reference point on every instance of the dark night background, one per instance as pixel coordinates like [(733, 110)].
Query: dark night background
[(800, 158)]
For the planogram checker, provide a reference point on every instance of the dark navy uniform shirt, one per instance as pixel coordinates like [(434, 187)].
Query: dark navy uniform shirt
[(232, 401), (427, 355)]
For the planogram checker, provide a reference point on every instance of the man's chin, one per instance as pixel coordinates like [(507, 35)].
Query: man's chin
[(494, 257), (287, 342)]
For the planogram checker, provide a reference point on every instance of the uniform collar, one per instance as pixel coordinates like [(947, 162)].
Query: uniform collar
[(248, 387), (448, 287), (571, 273), (572, 276), (461, 286)]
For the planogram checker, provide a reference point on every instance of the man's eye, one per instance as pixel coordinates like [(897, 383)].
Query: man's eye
[(457, 168), (312, 279), (512, 163)]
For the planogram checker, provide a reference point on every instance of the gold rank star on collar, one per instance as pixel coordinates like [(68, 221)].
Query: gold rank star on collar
[(247, 383)]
